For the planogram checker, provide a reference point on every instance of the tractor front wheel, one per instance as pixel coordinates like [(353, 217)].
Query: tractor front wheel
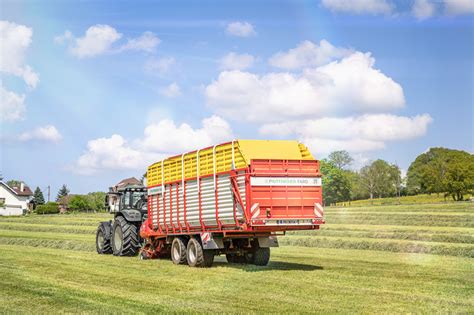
[(125, 240)]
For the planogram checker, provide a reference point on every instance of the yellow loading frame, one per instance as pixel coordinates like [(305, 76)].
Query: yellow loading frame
[(222, 158)]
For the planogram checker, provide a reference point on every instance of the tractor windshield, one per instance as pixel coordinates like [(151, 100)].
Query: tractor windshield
[(137, 198)]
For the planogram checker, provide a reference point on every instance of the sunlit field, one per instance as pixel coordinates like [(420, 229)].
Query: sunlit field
[(408, 258)]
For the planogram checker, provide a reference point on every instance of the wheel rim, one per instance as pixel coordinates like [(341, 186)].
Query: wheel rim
[(192, 253), (118, 238), (100, 240), (176, 252)]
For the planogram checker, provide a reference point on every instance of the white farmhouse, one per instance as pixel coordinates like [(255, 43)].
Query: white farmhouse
[(14, 200)]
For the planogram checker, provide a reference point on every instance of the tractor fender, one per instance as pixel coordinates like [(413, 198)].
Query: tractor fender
[(131, 215), (108, 229)]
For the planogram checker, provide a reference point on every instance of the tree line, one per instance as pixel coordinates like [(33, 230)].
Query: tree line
[(440, 170), (437, 171)]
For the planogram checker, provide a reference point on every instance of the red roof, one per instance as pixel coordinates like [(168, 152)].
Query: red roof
[(128, 181), (26, 190)]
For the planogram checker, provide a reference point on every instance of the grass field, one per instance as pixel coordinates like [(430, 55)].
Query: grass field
[(408, 258)]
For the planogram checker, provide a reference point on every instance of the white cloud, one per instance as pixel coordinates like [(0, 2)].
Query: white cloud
[(359, 6), (354, 134), (183, 137), (65, 37), (458, 7), (147, 42), (108, 153), (12, 105), (233, 61), (45, 133), (346, 86), (159, 65), (171, 90), (100, 39), (97, 40), (423, 9), (160, 140), (240, 29), (308, 54), (15, 40)]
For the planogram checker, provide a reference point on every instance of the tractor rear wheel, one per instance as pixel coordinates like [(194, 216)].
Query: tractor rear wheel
[(125, 240), (178, 251), (102, 239), (197, 256)]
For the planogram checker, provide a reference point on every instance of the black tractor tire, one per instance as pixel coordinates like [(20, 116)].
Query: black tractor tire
[(261, 256), (197, 256), (125, 239), (178, 251), (103, 236)]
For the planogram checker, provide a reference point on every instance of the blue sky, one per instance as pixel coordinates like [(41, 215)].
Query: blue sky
[(95, 91)]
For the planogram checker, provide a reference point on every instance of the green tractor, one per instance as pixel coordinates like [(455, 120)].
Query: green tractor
[(121, 236)]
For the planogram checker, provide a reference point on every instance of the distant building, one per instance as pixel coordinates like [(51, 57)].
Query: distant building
[(132, 181), (14, 200)]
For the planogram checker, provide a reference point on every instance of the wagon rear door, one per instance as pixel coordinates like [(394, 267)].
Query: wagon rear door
[(285, 193)]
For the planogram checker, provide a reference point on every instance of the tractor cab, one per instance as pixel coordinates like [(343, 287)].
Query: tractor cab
[(133, 198)]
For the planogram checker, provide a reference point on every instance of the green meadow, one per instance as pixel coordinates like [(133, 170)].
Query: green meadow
[(367, 259)]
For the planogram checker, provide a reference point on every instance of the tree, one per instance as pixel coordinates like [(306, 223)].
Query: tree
[(441, 170), (367, 179), (79, 203), (358, 191), (96, 200), (340, 159), (336, 183), (14, 183), (38, 196), (459, 177), (64, 191), (380, 179)]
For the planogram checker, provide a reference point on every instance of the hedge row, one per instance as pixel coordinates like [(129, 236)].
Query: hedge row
[(47, 208)]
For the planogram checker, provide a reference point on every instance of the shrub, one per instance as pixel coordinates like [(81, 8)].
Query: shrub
[(47, 208), (79, 203)]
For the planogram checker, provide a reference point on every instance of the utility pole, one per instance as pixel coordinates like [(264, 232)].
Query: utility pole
[(49, 192)]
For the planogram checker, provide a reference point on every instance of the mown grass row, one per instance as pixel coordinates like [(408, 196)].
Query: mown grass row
[(467, 238), (434, 207), (49, 243), (462, 250), (417, 199), (28, 227), (401, 219)]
